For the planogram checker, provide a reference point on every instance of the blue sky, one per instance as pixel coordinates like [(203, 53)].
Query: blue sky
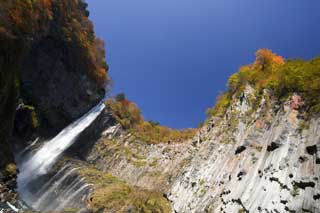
[(173, 57)]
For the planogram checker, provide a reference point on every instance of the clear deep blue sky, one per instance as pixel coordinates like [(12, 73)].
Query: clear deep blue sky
[(172, 57)]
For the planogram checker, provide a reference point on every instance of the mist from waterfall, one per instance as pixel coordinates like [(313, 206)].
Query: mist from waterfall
[(40, 163)]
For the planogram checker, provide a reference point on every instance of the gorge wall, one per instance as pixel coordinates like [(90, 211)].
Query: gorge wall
[(52, 71), (269, 168), (8, 92), (258, 151), (251, 160)]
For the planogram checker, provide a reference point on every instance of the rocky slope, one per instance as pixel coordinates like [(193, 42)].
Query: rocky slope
[(257, 152), (253, 159), (272, 166)]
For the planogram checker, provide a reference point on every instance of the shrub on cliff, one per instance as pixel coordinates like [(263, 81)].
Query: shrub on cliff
[(125, 112), (270, 71), (146, 131), (67, 21), (129, 116)]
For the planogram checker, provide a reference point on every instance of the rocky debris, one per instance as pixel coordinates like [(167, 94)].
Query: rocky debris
[(8, 177)]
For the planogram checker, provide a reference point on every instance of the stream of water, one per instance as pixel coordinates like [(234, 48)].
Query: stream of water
[(32, 169)]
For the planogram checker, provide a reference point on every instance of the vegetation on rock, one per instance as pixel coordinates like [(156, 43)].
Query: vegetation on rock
[(25, 27), (129, 116), (29, 20), (112, 194), (282, 77)]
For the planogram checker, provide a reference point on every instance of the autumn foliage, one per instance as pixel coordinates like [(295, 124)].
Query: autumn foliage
[(129, 116), (282, 77), (66, 21), (125, 112), (266, 58), (146, 131)]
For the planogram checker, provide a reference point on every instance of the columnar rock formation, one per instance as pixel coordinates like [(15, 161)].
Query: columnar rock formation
[(251, 160), (259, 150), (272, 166)]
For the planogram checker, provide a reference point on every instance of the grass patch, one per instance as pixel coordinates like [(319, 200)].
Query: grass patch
[(112, 194)]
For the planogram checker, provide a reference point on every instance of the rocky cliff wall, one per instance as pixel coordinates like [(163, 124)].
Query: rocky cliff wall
[(261, 158), (272, 165), (52, 70), (9, 52)]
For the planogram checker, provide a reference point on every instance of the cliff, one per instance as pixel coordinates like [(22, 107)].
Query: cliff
[(258, 151), (250, 160), (272, 163), (8, 92), (52, 69)]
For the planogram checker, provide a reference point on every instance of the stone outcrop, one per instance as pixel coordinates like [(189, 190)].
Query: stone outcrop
[(56, 84), (278, 176), (251, 160)]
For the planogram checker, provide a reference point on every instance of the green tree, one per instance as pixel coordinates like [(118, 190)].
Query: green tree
[(120, 97)]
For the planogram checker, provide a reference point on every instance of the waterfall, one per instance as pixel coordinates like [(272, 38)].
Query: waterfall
[(44, 197)]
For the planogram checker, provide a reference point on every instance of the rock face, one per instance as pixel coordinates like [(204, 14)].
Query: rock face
[(251, 160), (275, 173), (60, 69), (9, 52), (56, 84), (52, 71), (152, 167)]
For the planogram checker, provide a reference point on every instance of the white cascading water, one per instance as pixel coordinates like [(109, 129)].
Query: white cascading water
[(44, 158)]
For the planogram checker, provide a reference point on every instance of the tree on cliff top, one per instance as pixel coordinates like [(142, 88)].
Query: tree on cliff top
[(283, 77), (67, 20)]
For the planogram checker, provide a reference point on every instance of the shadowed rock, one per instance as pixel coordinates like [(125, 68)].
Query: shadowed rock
[(311, 150), (273, 146), (240, 149), (303, 185)]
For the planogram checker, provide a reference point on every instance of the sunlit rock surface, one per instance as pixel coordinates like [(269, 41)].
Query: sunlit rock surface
[(254, 159), (276, 171)]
